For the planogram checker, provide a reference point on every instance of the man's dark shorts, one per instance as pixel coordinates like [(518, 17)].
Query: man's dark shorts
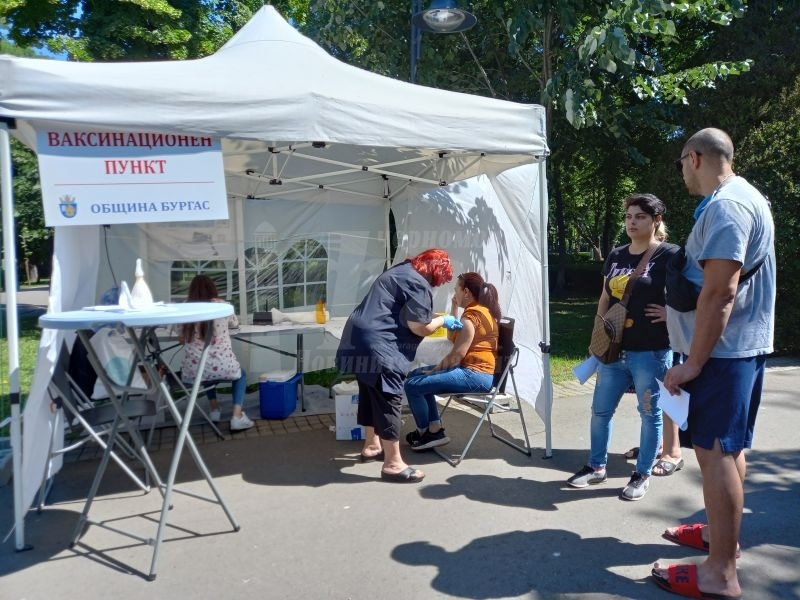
[(724, 401)]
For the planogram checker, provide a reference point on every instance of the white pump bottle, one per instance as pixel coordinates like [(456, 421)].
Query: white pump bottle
[(141, 297)]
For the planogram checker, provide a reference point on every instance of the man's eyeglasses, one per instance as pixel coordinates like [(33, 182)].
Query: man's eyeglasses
[(679, 162)]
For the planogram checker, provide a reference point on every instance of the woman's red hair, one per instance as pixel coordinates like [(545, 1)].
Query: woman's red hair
[(434, 265)]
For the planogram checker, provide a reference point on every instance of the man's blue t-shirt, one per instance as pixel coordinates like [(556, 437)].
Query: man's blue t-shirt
[(735, 224)]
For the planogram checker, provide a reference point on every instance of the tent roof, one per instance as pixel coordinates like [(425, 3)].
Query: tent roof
[(271, 85)]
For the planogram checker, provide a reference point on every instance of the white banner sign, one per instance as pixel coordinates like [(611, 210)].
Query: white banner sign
[(98, 178)]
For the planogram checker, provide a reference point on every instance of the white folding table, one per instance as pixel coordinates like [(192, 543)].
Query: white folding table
[(139, 324), (247, 333)]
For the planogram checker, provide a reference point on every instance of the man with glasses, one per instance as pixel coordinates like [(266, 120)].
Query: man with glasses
[(725, 341)]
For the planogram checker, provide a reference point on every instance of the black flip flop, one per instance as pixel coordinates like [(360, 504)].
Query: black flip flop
[(632, 454), (407, 475), (375, 457)]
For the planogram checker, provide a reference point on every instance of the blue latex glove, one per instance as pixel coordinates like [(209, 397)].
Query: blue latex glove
[(452, 323)]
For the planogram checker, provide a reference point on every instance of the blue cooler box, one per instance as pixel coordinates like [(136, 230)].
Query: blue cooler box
[(278, 395)]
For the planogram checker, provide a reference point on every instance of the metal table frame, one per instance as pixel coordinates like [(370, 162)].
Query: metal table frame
[(246, 332), (138, 325)]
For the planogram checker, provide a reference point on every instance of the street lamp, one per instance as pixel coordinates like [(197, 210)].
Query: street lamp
[(442, 16)]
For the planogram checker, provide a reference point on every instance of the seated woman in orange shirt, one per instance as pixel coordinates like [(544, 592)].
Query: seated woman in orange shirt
[(469, 366)]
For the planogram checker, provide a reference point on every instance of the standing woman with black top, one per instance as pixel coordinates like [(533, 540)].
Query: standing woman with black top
[(646, 355)]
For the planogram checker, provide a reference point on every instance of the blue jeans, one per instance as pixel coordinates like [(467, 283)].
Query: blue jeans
[(421, 389), (239, 387), (640, 369)]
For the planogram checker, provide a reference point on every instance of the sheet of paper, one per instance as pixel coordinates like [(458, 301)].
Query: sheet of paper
[(677, 407), (586, 369), (122, 309)]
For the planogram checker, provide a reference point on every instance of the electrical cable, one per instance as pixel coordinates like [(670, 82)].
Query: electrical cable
[(108, 256)]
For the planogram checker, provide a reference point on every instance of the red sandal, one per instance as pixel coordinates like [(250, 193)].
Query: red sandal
[(682, 580), (690, 535)]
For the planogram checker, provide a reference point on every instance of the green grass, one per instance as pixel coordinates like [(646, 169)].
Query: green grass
[(29, 333), (571, 321), (570, 328)]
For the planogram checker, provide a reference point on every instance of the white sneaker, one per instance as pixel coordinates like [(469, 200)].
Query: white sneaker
[(241, 422), (215, 415), (636, 488)]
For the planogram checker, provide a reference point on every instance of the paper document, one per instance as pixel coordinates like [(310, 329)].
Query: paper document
[(586, 369), (677, 407), (123, 309)]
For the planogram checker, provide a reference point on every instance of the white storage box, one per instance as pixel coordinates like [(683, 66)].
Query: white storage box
[(346, 400)]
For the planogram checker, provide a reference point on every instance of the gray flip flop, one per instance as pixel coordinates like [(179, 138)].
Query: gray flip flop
[(667, 467)]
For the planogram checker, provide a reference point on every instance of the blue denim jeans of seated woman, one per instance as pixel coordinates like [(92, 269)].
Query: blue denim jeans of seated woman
[(238, 389), (639, 369), (421, 388)]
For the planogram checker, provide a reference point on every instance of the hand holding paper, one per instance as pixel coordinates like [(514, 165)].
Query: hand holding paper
[(586, 369), (676, 407)]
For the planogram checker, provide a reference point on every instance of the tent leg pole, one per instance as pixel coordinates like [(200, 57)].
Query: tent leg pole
[(10, 247), (545, 343), (241, 274)]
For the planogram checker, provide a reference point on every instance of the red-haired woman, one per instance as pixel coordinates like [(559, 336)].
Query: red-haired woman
[(469, 366), (378, 345), (221, 363)]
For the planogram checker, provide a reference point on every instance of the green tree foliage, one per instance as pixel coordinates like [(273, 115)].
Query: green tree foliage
[(108, 30), (34, 240), (769, 157), (610, 76), (133, 29)]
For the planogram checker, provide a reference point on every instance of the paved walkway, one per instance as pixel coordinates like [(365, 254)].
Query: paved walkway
[(317, 523), (30, 300)]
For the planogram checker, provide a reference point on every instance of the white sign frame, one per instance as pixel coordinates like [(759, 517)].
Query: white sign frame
[(112, 177)]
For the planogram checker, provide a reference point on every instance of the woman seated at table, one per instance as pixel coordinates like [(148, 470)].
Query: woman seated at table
[(221, 363), (468, 367)]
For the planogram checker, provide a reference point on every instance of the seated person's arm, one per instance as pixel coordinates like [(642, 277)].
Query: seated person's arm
[(461, 345), (233, 320)]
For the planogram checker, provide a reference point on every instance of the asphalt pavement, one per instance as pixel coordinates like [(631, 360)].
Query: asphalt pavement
[(318, 523)]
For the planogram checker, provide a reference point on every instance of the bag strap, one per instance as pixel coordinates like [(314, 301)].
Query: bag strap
[(626, 295), (752, 271)]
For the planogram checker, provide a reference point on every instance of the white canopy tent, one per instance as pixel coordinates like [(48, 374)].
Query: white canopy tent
[(312, 149)]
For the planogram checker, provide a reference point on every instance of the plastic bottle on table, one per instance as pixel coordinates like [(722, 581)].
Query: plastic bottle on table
[(320, 312), (141, 297)]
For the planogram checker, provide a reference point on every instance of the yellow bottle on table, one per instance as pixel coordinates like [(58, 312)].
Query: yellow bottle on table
[(321, 311)]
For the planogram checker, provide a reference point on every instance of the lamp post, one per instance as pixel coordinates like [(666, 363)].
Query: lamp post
[(442, 16)]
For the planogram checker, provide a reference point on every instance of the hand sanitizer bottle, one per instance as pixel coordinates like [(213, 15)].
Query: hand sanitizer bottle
[(141, 297), (124, 296), (320, 311)]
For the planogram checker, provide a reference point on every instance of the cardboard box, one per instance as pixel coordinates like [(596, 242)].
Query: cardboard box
[(346, 415)]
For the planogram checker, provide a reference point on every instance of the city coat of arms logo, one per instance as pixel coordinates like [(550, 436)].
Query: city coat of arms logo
[(68, 206)]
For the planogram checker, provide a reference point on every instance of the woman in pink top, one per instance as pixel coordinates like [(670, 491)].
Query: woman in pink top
[(221, 363)]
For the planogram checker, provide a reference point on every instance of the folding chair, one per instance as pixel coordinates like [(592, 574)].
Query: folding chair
[(175, 383), (486, 403), (84, 420)]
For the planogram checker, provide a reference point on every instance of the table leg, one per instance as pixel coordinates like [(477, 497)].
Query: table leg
[(300, 371), (183, 437), (85, 336)]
